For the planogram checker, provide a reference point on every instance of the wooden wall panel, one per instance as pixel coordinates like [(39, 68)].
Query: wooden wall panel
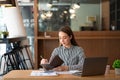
[(101, 47), (105, 8), (94, 43)]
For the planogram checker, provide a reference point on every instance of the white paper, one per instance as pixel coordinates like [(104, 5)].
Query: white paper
[(42, 73), (68, 72)]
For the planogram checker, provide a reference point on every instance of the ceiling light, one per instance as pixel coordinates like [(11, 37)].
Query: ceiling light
[(65, 12), (72, 11), (55, 1), (49, 5), (43, 16), (72, 16), (76, 6), (49, 14)]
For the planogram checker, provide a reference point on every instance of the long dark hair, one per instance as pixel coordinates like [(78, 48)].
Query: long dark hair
[(68, 31)]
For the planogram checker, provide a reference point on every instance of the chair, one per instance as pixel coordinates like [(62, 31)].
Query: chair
[(15, 59)]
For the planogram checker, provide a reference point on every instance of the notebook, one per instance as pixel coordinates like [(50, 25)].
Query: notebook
[(93, 66), (57, 61)]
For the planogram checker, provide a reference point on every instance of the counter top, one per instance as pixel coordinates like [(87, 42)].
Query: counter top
[(25, 75)]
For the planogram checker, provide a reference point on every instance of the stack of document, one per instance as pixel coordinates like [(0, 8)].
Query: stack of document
[(68, 72), (43, 73), (51, 73)]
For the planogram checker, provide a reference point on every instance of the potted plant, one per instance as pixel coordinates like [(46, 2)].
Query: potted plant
[(116, 66), (5, 34)]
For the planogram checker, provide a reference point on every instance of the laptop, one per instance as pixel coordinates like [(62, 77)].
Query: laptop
[(93, 66)]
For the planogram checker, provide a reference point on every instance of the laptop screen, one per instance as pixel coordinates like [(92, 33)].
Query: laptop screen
[(94, 66)]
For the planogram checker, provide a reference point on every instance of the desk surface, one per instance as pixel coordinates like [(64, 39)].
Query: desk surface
[(25, 75)]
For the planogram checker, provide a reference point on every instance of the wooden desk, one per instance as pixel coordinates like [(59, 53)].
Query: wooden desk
[(25, 75)]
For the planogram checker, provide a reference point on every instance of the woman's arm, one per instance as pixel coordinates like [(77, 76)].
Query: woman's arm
[(78, 66)]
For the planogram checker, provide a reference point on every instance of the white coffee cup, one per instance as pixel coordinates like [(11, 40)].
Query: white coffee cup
[(107, 71)]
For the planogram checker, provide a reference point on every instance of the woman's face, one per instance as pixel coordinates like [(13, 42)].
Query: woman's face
[(64, 39)]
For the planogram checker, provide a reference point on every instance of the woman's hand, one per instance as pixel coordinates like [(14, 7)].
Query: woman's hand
[(61, 68), (44, 61)]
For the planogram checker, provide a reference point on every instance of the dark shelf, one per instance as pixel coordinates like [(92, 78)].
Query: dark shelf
[(118, 10), (115, 13), (112, 11)]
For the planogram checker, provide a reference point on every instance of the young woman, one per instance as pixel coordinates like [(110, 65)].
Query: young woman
[(69, 51)]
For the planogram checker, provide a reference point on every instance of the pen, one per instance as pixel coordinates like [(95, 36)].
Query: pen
[(41, 57)]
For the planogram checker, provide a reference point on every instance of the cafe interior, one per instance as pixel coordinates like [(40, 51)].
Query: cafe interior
[(32, 29)]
